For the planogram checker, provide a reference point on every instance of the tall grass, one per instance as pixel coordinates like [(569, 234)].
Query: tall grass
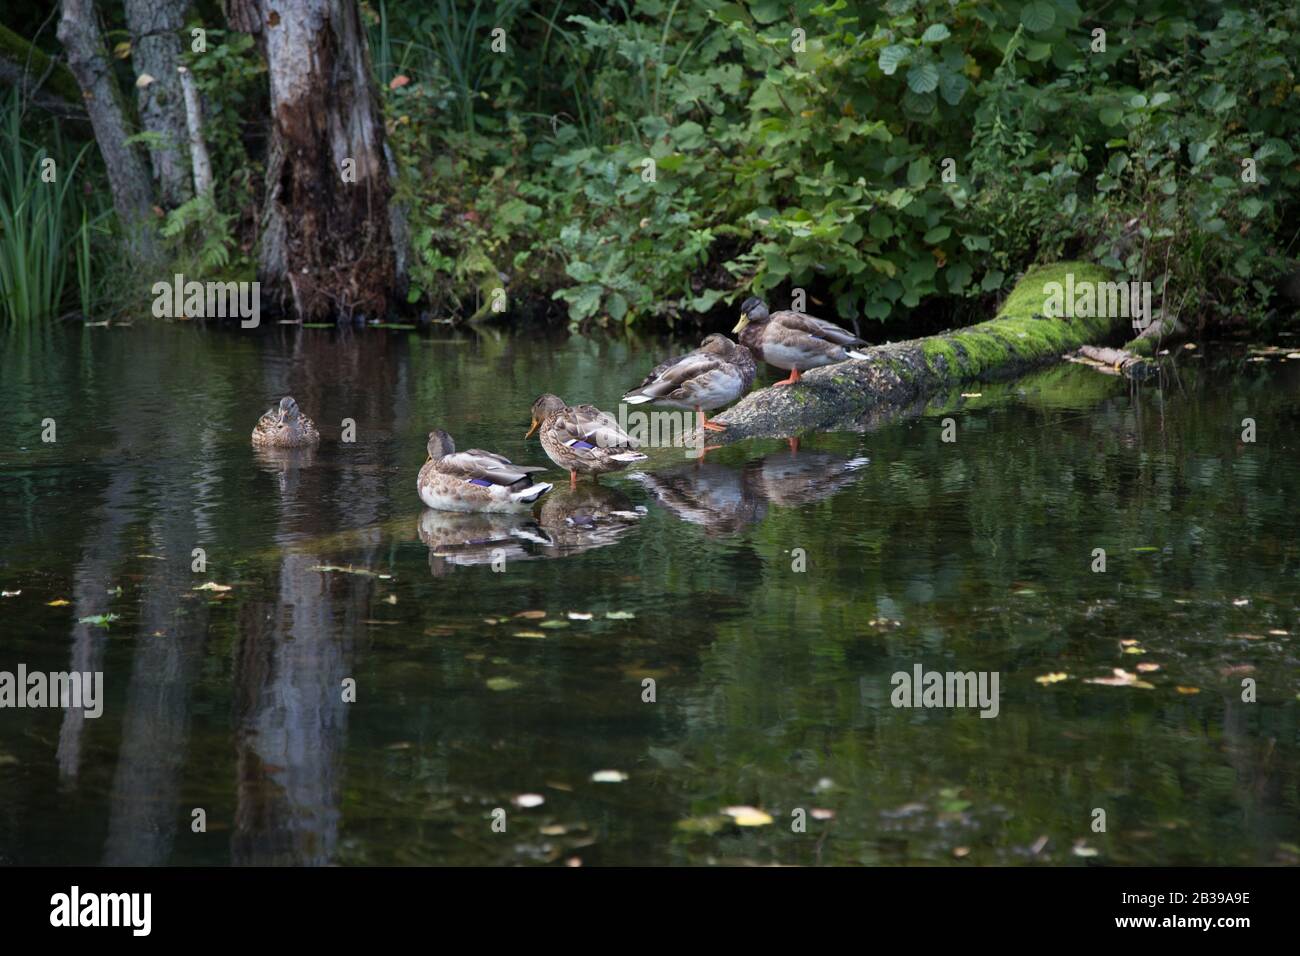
[(44, 225)]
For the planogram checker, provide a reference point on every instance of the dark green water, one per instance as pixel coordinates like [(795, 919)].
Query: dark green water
[(772, 686)]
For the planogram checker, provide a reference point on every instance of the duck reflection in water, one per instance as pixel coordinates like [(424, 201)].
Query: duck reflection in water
[(569, 521), (725, 500)]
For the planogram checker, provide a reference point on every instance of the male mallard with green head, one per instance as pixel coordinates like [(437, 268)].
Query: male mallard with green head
[(792, 340), (715, 374), (582, 438), (285, 427), (475, 480)]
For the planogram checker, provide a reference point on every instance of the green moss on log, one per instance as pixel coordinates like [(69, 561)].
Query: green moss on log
[(36, 63), (1020, 337)]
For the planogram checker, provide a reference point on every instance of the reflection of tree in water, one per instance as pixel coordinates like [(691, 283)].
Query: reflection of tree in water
[(295, 649)]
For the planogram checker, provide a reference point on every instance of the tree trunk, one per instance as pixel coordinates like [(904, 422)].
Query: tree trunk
[(155, 27), (898, 373), (328, 243), (127, 176)]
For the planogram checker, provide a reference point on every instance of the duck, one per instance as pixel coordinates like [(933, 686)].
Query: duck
[(794, 341), (285, 427), (715, 374), (475, 480), (582, 438)]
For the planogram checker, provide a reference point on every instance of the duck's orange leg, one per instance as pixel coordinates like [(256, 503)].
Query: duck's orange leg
[(794, 377), (706, 424), (573, 478)]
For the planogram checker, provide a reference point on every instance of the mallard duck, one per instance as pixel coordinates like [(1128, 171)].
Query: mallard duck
[(582, 438), (715, 374), (792, 340), (475, 480), (285, 427)]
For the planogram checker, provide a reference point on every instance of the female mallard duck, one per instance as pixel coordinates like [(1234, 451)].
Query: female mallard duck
[(475, 480), (286, 427), (792, 340), (715, 374), (582, 438)]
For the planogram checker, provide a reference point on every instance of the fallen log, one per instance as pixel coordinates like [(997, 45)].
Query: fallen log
[(1113, 361), (1019, 338)]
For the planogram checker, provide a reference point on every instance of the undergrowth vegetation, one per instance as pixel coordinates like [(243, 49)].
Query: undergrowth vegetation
[(880, 155)]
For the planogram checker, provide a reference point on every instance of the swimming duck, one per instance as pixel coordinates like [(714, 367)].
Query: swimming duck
[(475, 480), (715, 374), (285, 427), (582, 438), (792, 340)]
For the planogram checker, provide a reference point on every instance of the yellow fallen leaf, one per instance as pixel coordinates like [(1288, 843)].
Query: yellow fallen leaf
[(747, 816), (57, 602), (531, 615), (1052, 678), (1188, 690)]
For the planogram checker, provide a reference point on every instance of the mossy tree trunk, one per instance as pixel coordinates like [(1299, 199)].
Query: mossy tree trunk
[(900, 372)]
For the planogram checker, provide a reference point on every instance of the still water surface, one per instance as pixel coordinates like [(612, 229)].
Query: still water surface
[(772, 686)]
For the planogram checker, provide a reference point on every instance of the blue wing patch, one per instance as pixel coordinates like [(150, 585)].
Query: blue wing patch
[(481, 482), (579, 443)]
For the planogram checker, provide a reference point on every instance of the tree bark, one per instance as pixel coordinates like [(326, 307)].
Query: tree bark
[(198, 146), (127, 176), (900, 372), (328, 245), (155, 27)]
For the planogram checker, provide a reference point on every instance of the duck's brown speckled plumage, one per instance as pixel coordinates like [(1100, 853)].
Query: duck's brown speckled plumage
[(714, 375), (794, 341), (582, 438), (475, 480), (285, 427)]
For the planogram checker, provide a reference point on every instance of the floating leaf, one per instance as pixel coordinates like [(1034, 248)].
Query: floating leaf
[(531, 615), (99, 620), (527, 800), (747, 816), (579, 616), (552, 624), (349, 569), (1052, 678), (1145, 668), (10, 593), (531, 634), (212, 586), (619, 615), (1122, 678), (708, 825), (501, 683), (1188, 690), (57, 602), (608, 776)]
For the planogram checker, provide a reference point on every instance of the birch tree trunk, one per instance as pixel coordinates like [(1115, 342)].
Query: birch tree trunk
[(155, 27), (328, 241), (127, 176)]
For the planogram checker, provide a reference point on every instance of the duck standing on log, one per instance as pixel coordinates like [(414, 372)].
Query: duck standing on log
[(715, 374), (793, 341)]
